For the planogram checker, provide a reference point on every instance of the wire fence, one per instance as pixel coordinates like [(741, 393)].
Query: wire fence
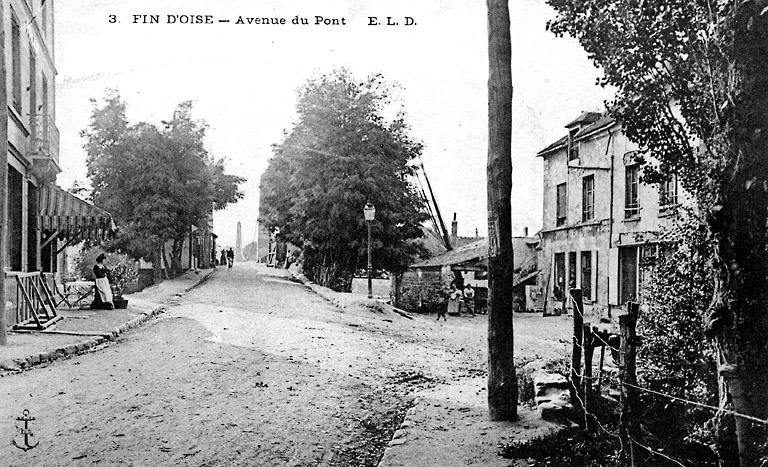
[(627, 435)]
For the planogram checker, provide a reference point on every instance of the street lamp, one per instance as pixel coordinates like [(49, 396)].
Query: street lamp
[(370, 213)]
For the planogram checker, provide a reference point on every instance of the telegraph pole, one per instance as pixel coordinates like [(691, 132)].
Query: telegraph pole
[(3, 179), (502, 381)]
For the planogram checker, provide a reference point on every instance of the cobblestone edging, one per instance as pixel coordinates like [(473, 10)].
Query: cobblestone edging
[(399, 437), (137, 321), (324, 292)]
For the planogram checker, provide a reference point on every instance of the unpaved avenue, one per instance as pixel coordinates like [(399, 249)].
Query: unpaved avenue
[(248, 369)]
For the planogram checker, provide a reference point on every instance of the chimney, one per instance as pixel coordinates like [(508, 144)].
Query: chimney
[(454, 230), (525, 231)]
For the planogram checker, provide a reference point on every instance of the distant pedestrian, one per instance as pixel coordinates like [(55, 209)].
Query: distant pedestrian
[(469, 298), (230, 257), (223, 259)]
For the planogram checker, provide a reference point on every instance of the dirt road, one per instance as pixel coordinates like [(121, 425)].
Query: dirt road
[(248, 369)]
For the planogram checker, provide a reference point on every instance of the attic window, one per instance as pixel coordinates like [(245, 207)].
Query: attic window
[(573, 146)]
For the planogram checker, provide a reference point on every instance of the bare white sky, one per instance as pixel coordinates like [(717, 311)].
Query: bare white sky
[(243, 80)]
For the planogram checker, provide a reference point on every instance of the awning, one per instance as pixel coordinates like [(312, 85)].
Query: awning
[(64, 215)]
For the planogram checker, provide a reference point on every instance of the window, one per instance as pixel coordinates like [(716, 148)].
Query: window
[(558, 290), (571, 271), (668, 192), (561, 204), (32, 90), (586, 275), (573, 146), (631, 201), (588, 198), (16, 63)]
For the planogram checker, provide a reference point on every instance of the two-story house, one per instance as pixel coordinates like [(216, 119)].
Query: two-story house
[(601, 224)]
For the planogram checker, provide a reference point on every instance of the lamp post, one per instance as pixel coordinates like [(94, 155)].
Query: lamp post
[(370, 213)]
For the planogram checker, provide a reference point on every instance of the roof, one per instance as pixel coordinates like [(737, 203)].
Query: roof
[(603, 121), (589, 117), (476, 251), (473, 251)]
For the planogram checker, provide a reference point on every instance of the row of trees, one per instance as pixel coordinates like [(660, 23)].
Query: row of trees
[(157, 182), (692, 90), (342, 153)]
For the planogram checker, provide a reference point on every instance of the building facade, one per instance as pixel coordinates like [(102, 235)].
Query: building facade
[(33, 139), (42, 218), (601, 224)]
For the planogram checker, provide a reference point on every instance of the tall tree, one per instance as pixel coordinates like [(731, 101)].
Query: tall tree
[(692, 89), (156, 182), (502, 381), (342, 153)]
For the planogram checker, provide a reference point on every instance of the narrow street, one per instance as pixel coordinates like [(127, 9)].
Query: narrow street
[(250, 368)]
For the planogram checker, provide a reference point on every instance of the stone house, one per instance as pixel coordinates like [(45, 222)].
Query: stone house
[(601, 224), (418, 288)]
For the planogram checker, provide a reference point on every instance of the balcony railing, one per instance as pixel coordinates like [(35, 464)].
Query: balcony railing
[(44, 138)]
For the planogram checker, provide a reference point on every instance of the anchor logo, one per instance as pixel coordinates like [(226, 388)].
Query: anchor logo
[(26, 431)]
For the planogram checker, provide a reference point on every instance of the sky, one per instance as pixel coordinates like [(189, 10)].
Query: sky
[(243, 80)]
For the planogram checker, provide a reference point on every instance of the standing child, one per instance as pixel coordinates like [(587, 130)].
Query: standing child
[(469, 298), (442, 308)]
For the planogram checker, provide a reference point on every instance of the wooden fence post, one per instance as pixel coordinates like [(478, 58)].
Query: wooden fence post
[(589, 351), (630, 429), (578, 343)]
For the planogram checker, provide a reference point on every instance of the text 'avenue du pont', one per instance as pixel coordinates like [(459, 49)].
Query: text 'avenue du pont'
[(316, 20)]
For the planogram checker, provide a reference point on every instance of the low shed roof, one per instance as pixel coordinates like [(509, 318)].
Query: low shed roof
[(474, 251)]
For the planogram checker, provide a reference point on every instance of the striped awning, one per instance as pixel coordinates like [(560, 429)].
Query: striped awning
[(70, 216)]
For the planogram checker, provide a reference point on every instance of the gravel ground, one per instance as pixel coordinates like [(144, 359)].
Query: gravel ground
[(252, 368)]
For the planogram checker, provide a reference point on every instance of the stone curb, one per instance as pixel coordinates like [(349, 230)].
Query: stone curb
[(399, 437), (322, 291), (330, 295), (137, 321), (19, 364), (201, 281)]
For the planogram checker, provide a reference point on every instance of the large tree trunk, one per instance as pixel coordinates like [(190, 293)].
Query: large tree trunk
[(502, 381), (157, 268), (738, 317), (176, 250)]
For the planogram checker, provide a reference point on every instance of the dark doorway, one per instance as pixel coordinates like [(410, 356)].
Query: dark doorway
[(628, 273), (15, 219)]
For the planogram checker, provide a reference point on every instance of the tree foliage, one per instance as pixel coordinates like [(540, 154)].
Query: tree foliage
[(675, 357), (157, 182), (692, 90), (342, 153)]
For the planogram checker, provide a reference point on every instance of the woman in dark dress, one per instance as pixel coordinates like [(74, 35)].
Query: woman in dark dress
[(102, 295)]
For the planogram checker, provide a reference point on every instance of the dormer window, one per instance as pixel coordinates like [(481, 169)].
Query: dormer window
[(573, 146)]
